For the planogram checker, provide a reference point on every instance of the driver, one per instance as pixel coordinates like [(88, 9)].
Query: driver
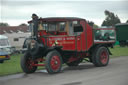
[(35, 26)]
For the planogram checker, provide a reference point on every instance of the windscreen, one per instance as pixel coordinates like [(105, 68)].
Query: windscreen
[(50, 26), (56, 26), (4, 42)]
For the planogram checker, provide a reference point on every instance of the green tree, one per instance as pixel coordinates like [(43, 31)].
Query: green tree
[(4, 24), (95, 26), (127, 21), (91, 23), (111, 19)]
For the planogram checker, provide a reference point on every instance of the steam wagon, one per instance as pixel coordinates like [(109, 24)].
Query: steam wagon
[(122, 33), (65, 40)]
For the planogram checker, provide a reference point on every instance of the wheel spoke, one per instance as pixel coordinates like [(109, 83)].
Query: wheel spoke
[(55, 62), (104, 57)]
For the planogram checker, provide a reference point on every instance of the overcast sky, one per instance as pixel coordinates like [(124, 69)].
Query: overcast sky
[(16, 12)]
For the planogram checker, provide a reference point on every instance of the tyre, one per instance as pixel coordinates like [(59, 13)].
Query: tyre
[(53, 62), (1, 61), (26, 63), (100, 56)]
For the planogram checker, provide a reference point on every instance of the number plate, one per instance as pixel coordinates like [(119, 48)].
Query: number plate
[(2, 56)]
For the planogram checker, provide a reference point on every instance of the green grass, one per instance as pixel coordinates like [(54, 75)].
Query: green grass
[(12, 66), (119, 51)]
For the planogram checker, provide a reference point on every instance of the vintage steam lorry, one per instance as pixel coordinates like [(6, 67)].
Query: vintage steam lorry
[(66, 40)]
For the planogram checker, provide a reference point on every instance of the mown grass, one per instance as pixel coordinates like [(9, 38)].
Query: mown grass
[(12, 66), (119, 51)]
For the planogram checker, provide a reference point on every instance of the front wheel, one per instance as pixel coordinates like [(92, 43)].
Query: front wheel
[(100, 56), (53, 62), (27, 63)]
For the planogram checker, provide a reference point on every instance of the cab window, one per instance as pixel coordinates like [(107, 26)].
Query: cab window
[(77, 28), (62, 26)]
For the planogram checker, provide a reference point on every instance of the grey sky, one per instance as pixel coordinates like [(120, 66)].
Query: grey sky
[(16, 11)]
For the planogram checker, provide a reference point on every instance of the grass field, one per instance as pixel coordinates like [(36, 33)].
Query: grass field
[(12, 66), (119, 51)]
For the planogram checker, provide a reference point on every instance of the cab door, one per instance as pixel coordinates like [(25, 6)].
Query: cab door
[(78, 30), (69, 42)]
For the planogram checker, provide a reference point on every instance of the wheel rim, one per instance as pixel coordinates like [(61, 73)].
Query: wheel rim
[(55, 63), (104, 57), (29, 63)]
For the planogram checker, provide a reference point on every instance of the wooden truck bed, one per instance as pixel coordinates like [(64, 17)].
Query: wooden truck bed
[(104, 35)]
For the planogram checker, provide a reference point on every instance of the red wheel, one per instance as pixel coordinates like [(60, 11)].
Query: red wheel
[(27, 63), (104, 57), (100, 56), (53, 62)]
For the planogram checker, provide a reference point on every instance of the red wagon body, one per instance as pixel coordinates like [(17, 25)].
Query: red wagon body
[(66, 40)]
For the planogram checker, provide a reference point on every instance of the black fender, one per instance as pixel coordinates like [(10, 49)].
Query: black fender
[(109, 51), (100, 45), (57, 48)]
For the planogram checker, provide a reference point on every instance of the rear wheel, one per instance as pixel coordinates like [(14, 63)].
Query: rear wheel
[(100, 56), (27, 63), (53, 62)]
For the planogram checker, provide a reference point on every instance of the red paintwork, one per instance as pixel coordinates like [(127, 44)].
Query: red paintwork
[(68, 42), (71, 59), (38, 64), (82, 42), (89, 36), (38, 60), (79, 43)]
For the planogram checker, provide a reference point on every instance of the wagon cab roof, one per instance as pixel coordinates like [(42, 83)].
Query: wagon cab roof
[(119, 24), (3, 37), (59, 19), (62, 18)]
